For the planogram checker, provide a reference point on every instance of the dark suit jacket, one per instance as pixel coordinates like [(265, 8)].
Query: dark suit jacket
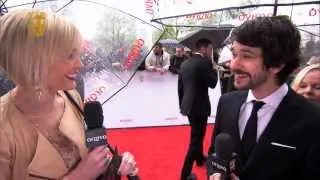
[(295, 123), (196, 75)]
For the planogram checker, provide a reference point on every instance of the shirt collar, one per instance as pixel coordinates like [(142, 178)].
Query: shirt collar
[(273, 99), (198, 53)]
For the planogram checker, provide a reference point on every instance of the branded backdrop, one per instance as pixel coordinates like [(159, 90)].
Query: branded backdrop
[(150, 99)]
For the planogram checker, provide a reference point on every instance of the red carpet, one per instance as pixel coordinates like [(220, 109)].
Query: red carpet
[(159, 151)]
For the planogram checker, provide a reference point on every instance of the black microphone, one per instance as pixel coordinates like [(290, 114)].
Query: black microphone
[(96, 135), (224, 160)]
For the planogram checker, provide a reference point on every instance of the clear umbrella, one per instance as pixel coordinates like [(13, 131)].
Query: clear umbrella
[(115, 41)]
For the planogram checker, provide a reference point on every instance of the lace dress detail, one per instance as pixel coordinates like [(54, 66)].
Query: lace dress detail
[(67, 149)]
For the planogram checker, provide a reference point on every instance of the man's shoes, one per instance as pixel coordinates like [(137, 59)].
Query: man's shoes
[(202, 161), (192, 176)]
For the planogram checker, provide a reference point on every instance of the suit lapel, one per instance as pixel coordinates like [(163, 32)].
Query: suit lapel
[(280, 121), (234, 117)]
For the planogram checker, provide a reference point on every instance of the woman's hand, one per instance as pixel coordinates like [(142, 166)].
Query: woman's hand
[(93, 165), (128, 165)]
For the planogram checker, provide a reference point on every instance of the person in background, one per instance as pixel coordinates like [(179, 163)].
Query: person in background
[(176, 61), (226, 78), (187, 52), (225, 56), (215, 56), (312, 60), (158, 60), (273, 129), (42, 135), (307, 82), (195, 77)]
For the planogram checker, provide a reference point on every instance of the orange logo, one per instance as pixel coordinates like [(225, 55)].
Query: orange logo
[(37, 23)]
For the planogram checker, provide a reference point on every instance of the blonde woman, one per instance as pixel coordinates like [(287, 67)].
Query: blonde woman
[(307, 82), (41, 133)]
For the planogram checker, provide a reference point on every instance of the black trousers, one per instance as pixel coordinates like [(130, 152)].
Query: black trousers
[(195, 151)]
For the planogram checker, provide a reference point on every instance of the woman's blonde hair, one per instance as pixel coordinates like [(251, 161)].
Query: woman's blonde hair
[(28, 50), (302, 73)]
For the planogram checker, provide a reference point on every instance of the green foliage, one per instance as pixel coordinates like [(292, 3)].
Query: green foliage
[(168, 33), (115, 31)]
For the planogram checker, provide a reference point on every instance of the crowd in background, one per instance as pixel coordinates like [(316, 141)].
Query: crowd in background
[(161, 61)]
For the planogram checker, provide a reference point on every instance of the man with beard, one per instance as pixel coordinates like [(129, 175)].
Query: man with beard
[(158, 60), (273, 129), (196, 75), (176, 60)]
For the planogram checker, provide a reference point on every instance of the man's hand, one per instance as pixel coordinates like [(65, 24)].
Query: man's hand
[(161, 70), (151, 68)]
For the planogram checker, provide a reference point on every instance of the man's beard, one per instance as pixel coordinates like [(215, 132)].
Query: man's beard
[(158, 53), (251, 81)]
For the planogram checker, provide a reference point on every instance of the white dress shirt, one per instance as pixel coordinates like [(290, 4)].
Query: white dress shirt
[(225, 55), (154, 61), (265, 113)]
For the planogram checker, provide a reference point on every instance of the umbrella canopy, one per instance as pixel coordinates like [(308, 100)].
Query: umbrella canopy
[(216, 36), (115, 41), (171, 43), (304, 14)]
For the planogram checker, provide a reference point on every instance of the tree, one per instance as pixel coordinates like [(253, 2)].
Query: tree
[(116, 31), (169, 32), (114, 39)]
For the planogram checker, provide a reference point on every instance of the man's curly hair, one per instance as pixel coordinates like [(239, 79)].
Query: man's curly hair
[(278, 39)]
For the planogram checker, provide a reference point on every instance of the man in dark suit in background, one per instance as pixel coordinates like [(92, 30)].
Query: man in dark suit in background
[(196, 75), (274, 130)]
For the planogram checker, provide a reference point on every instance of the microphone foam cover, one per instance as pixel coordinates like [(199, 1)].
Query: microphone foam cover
[(224, 146), (93, 114)]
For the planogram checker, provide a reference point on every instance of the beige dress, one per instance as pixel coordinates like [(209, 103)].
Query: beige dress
[(26, 153)]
